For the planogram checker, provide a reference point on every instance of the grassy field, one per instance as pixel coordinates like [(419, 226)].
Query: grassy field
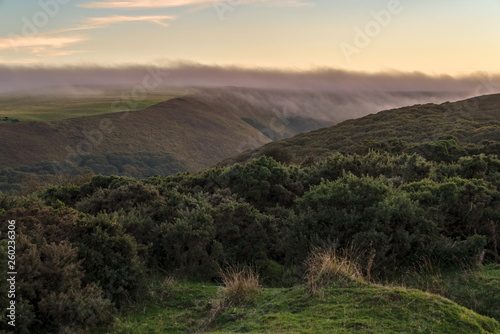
[(183, 307), (478, 290), (50, 108)]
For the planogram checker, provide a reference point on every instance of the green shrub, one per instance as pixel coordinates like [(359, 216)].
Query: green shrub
[(109, 256), (187, 244)]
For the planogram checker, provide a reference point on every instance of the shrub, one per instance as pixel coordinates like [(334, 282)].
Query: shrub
[(263, 183), (50, 296), (245, 234), (125, 197), (187, 244), (109, 256)]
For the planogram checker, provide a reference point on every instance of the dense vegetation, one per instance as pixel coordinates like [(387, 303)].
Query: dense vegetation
[(89, 246)]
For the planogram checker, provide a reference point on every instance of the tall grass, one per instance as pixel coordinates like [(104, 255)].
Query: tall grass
[(240, 285), (327, 266), (426, 277)]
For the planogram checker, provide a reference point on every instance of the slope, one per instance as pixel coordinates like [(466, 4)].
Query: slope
[(470, 121), (360, 309)]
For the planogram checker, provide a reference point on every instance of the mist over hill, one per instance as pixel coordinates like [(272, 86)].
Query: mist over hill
[(470, 121), (198, 129)]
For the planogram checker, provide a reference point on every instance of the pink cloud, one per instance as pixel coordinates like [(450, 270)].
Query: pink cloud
[(130, 4)]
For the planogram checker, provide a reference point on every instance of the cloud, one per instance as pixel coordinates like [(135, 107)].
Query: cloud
[(97, 22), (135, 4), (52, 45), (40, 45), (194, 74), (324, 94)]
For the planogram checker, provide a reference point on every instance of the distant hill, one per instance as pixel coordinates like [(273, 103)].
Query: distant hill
[(470, 121), (194, 129), (183, 133)]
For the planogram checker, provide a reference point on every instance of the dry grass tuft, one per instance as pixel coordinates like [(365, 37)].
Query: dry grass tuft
[(325, 266), (240, 285)]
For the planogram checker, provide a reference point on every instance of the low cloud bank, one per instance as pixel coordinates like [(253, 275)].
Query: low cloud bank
[(325, 94), (188, 74)]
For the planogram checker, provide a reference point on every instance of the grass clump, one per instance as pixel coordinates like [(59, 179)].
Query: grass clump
[(327, 266), (240, 285)]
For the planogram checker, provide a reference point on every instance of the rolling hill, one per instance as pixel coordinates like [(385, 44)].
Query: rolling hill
[(470, 121), (47, 135), (184, 133)]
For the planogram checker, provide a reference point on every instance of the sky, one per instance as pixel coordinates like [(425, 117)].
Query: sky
[(433, 37)]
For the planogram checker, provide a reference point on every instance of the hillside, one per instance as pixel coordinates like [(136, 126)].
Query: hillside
[(184, 133), (360, 309), (470, 121), (46, 134)]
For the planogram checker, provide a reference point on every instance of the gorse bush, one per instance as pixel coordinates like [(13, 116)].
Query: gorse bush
[(50, 290), (109, 256)]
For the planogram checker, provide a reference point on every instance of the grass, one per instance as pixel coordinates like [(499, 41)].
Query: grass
[(360, 308), (325, 266), (170, 307), (55, 108), (478, 290), (240, 286), (184, 307)]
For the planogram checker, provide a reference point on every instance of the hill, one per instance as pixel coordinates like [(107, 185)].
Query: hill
[(470, 121), (58, 103), (183, 133), (45, 134)]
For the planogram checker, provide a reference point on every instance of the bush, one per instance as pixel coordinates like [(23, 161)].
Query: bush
[(264, 183), (50, 296), (109, 257), (245, 234), (187, 244), (124, 198)]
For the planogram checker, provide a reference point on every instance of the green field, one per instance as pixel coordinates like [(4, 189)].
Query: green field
[(50, 108), (181, 307)]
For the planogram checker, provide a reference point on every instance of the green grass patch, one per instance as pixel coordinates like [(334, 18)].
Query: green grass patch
[(361, 309), (358, 308), (478, 290), (178, 308), (43, 108)]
